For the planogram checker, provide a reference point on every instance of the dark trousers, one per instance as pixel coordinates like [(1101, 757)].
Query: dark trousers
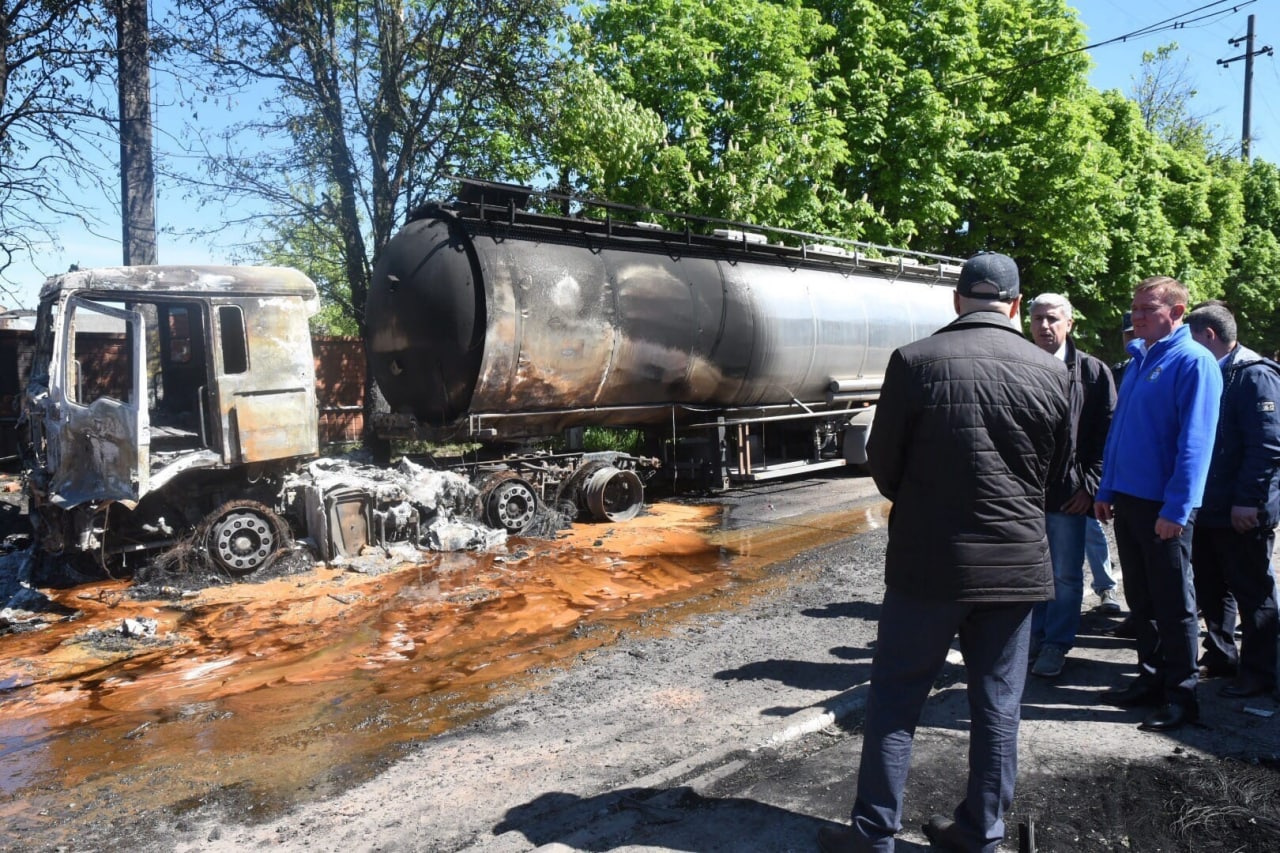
[(1161, 595), (912, 642), (1234, 570)]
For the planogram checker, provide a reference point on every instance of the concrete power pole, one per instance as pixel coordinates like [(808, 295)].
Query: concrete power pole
[(1248, 55), (137, 170)]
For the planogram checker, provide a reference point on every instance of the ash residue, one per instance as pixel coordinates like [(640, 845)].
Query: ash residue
[(127, 638), (409, 506), (185, 568)]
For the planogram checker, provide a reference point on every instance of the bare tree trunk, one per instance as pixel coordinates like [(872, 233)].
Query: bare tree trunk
[(137, 171)]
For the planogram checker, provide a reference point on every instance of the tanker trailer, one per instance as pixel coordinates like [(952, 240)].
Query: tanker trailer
[(743, 352)]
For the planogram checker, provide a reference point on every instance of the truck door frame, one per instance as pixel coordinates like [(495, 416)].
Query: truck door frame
[(100, 450)]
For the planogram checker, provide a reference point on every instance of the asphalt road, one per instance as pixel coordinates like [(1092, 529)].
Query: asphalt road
[(738, 729), (732, 724)]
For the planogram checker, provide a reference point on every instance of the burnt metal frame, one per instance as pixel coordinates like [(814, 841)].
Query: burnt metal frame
[(502, 206)]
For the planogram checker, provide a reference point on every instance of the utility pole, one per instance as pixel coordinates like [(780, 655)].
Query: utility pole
[(1247, 56), (137, 170)]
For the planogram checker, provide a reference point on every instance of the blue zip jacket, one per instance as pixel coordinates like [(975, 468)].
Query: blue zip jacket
[(1246, 456), (1161, 438)]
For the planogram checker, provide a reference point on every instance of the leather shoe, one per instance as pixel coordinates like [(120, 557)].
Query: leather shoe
[(1137, 693), (1216, 670), (941, 834), (1127, 629), (1169, 717), (1243, 688), (835, 839)]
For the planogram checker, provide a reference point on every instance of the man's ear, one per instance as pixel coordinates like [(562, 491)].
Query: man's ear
[(1015, 307)]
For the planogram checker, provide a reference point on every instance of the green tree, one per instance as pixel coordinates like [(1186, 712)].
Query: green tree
[(602, 143), (1252, 288), (297, 244), (972, 113), (745, 102), (1177, 211)]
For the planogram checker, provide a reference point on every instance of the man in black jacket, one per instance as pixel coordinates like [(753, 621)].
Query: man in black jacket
[(1092, 393), (1235, 527), (971, 426)]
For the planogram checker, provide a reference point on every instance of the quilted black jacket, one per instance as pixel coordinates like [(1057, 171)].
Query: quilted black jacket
[(971, 425)]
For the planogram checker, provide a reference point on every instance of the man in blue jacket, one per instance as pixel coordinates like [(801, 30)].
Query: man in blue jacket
[(1153, 474), (1235, 528)]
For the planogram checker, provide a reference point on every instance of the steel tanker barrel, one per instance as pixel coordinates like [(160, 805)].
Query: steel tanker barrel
[(546, 326)]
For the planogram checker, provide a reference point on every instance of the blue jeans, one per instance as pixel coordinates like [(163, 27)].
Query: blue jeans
[(1098, 553), (913, 637), (1056, 622)]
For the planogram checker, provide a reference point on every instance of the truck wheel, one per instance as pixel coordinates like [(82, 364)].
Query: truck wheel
[(614, 495), (244, 536), (511, 505)]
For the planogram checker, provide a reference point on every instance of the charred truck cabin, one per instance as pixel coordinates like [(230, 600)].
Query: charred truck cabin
[(171, 402), (163, 399)]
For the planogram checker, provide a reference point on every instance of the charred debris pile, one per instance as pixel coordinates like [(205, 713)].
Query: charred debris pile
[(414, 510)]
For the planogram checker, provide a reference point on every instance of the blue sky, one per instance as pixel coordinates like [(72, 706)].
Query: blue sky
[(1219, 99), (1219, 89)]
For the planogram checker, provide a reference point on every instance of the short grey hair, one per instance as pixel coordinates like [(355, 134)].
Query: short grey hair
[(1051, 300)]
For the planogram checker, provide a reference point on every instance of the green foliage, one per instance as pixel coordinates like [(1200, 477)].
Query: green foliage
[(1176, 211), (942, 125), (939, 125), (1252, 287), (748, 124), (311, 248), (606, 438)]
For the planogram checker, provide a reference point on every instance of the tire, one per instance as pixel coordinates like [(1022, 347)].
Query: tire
[(243, 537)]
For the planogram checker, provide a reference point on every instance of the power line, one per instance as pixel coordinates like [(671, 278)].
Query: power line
[(1177, 22)]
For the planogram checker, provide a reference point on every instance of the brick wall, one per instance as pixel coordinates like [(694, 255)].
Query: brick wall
[(340, 370), (340, 374)]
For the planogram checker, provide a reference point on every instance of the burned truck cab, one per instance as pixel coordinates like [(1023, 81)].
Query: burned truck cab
[(167, 400)]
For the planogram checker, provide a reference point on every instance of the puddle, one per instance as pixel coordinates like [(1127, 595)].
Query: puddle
[(265, 695)]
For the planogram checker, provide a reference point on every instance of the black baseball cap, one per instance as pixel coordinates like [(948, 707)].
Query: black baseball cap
[(989, 275)]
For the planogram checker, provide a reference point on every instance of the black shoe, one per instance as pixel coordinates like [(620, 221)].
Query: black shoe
[(835, 839), (1169, 717), (1216, 670), (1136, 694), (1127, 629), (1245, 687), (941, 832)]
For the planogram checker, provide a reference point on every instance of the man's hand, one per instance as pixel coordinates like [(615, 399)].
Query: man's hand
[(1166, 529), (1102, 510), (1078, 504), (1244, 518)]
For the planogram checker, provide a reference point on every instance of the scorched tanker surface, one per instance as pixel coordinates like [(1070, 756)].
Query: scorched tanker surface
[(509, 323)]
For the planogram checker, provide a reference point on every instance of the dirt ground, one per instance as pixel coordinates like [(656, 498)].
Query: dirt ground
[(734, 725)]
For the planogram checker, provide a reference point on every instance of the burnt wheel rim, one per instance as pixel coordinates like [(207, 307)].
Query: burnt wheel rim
[(511, 506), (242, 540)]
